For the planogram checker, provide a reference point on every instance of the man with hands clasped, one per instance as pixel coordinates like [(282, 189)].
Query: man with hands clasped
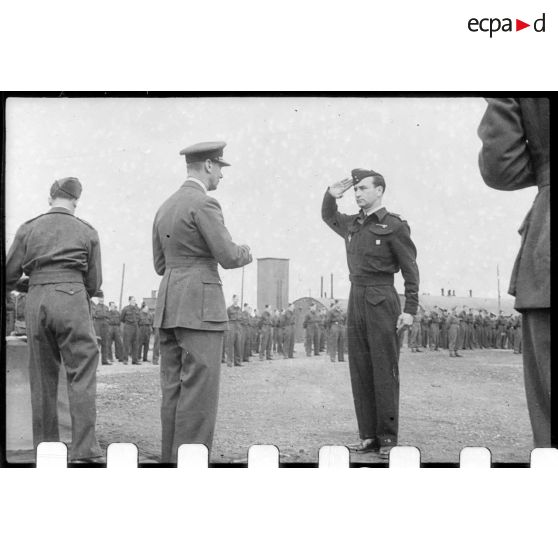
[(378, 245)]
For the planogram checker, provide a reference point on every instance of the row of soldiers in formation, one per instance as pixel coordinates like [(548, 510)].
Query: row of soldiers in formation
[(272, 332), (128, 330), (470, 329)]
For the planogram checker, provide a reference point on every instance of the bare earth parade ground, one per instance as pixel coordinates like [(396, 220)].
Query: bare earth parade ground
[(304, 403)]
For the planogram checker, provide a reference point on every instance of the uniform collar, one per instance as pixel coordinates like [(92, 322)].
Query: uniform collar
[(59, 209), (380, 213), (197, 182)]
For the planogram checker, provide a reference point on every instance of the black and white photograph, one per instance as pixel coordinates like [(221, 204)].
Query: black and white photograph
[(366, 271)]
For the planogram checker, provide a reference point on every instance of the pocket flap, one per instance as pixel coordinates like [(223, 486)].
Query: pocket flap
[(380, 231), (211, 281), (210, 278), (374, 298), (69, 289)]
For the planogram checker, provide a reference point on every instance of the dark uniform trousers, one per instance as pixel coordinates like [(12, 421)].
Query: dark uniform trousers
[(288, 344), (156, 350), (415, 335), (234, 343), (115, 337), (517, 340), (190, 372), (144, 337), (265, 342), (434, 335), (102, 331), (536, 365), (312, 339), (336, 342), (56, 328), (371, 324), (131, 335), (453, 337), (245, 347)]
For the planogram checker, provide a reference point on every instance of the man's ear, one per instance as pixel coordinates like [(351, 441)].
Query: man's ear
[(207, 165)]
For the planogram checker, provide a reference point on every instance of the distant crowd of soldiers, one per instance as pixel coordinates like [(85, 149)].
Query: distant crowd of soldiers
[(271, 332), (128, 332), (467, 328), (126, 335)]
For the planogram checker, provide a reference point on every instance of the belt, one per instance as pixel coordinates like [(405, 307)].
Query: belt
[(372, 280), (43, 276), (191, 261)]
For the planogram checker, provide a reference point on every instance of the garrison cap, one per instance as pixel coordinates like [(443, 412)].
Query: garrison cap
[(359, 174), (70, 186), (206, 150)]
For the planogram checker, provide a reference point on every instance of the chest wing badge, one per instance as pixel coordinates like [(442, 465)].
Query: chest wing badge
[(381, 225)]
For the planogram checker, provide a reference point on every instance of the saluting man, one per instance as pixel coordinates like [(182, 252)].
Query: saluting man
[(62, 257), (189, 240), (378, 245)]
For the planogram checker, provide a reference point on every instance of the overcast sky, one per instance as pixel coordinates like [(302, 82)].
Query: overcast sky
[(284, 153)]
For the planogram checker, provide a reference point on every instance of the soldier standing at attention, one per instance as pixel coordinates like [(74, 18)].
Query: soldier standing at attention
[(62, 257), (289, 319), (130, 316), (378, 245), (425, 329), (434, 329), (245, 342), (453, 334), (234, 341), (100, 313), (114, 335), (189, 241), (145, 325), (310, 324), (265, 328), (415, 335), (336, 341), (515, 134)]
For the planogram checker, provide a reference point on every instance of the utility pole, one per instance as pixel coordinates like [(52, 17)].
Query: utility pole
[(498, 277), (122, 284), (321, 286), (331, 288)]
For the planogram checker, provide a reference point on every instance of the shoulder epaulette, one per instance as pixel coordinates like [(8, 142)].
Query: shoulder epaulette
[(34, 218), (85, 222), (396, 215)]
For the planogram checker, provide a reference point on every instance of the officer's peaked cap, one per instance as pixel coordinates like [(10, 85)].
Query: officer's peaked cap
[(206, 150), (71, 186)]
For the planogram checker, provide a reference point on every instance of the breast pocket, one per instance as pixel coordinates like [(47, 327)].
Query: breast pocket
[(377, 243), (213, 301)]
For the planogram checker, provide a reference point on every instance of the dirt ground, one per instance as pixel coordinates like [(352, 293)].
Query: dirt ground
[(302, 404)]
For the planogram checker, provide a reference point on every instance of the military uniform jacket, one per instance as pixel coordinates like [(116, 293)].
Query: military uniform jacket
[(145, 319), (265, 319), (55, 247), (289, 318), (311, 318), (516, 154), (130, 315), (334, 316), (114, 318), (378, 246), (234, 313), (100, 312), (189, 240)]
